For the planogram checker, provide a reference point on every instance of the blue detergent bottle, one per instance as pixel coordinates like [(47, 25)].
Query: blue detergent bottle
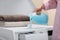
[(41, 19)]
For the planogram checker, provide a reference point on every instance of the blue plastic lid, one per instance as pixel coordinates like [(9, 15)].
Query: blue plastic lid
[(39, 19)]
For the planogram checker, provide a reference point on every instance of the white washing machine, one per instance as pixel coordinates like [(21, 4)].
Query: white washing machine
[(23, 33)]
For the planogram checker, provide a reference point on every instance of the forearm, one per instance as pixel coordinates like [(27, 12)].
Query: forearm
[(43, 7)]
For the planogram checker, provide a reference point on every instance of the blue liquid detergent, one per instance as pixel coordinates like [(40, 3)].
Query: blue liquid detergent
[(41, 19), (30, 25)]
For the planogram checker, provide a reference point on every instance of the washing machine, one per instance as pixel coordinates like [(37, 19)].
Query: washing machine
[(23, 33)]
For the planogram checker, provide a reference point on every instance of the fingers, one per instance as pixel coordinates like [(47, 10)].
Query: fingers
[(38, 11)]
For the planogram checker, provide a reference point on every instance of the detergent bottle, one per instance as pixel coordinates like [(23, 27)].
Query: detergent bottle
[(41, 19)]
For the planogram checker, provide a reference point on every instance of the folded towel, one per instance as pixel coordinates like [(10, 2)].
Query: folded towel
[(10, 18), (1, 18)]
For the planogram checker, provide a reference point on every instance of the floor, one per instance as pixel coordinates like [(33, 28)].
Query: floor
[(49, 38)]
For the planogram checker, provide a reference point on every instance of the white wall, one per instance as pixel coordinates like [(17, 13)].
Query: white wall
[(15, 7)]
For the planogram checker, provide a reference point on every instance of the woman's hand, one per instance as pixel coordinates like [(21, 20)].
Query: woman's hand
[(38, 10)]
